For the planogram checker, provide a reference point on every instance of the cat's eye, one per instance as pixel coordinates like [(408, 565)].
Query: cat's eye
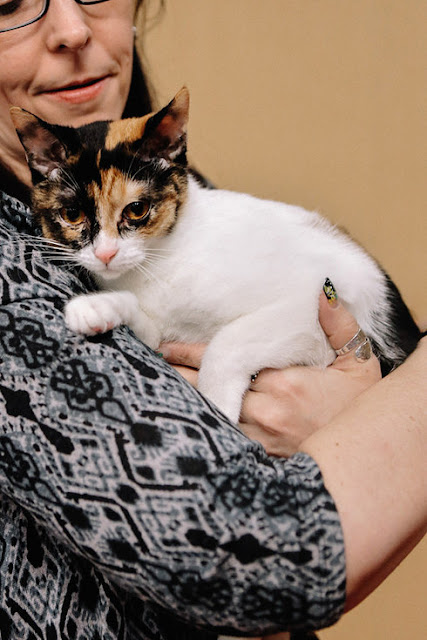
[(137, 211), (72, 216)]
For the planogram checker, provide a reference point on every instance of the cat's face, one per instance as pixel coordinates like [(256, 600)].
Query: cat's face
[(108, 190)]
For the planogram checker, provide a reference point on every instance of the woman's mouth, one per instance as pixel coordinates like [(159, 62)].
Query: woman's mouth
[(78, 92)]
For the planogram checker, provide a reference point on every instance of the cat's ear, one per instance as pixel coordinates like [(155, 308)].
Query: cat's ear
[(165, 132), (45, 152)]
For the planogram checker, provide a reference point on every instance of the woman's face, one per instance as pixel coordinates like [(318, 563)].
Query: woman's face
[(71, 67)]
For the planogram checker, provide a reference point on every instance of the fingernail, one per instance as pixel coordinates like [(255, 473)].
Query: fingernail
[(163, 351), (330, 293)]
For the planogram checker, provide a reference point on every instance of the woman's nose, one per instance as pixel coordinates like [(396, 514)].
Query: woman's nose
[(67, 24)]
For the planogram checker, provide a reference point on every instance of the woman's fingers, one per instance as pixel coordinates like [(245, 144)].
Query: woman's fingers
[(182, 353), (191, 375), (340, 326), (185, 358), (336, 321), (283, 407)]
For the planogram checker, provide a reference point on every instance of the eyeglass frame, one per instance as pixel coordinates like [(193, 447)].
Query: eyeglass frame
[(45, 10)]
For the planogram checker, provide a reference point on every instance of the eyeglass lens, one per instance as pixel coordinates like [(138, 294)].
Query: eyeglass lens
[(18, 13)]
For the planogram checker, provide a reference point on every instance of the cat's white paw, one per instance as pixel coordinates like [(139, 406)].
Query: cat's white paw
[(99, 312)]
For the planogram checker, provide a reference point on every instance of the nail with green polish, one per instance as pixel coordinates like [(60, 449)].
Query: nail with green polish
[(330, 293)]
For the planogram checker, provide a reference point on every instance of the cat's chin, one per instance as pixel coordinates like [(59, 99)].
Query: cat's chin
[(109, 275)]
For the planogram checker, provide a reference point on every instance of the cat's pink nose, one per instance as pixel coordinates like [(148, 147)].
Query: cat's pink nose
[(106, 254)]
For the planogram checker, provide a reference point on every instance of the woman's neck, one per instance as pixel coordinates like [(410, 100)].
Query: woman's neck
[(16, 164)]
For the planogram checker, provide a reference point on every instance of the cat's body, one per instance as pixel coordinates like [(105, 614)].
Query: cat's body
[(240, 273)]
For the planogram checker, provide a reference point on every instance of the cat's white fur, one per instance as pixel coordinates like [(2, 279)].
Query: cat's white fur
[(240, 273)]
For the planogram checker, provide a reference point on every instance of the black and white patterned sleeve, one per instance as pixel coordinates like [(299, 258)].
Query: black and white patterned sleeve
[(130, 468)]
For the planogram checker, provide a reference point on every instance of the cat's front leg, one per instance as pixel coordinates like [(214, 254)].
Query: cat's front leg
[(99, 312)]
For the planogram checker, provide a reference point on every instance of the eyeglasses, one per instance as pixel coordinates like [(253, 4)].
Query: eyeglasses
[(15, 14)]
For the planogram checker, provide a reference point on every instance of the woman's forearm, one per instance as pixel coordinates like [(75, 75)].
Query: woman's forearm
[(373, 455)]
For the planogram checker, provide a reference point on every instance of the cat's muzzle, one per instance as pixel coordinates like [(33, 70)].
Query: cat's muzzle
[(360, 344)]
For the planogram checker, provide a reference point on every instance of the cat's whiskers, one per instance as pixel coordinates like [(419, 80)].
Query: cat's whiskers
[(133, 176), (35, 243), (128, 172), (155, 250), (70, 180), (144, 268), (50, 249)]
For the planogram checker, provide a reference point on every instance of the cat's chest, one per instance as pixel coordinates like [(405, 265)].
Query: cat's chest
[(178, 303)]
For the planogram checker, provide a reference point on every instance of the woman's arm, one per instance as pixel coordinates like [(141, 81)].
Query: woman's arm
[(373, 459)]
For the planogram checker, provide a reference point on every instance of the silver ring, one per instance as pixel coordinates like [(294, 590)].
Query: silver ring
[(254, 376), (361, 346)]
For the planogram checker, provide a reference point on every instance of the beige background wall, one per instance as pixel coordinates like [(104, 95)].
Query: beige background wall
[(322, 103)]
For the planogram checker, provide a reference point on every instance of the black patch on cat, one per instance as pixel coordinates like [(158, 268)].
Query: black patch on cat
[(120, 158), (94, 134), (163, 178), (403, 331), (85, 170)]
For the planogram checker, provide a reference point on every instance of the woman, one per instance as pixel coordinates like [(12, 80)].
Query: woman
[(129, 506)]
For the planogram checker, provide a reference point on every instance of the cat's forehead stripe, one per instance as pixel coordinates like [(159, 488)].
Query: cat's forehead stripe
[(128, 130), (112, 195)]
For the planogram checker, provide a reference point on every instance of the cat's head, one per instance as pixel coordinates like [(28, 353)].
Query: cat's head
[(107, 190)]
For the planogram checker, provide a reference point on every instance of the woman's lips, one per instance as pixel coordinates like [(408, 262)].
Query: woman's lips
[(77, 93)]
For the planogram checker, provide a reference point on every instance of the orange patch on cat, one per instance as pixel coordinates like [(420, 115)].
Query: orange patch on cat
[(127, 130), (116, 192)]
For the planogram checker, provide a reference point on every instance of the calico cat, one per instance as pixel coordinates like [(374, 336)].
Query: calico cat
[(178, 261)]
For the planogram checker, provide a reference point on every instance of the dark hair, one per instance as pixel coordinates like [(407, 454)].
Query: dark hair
[(139, 99)]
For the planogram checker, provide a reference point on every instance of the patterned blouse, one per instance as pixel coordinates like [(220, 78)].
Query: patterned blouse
[(130, 508)]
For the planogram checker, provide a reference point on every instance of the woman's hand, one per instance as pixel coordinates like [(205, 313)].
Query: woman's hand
[(286, 406), (283, 407)]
